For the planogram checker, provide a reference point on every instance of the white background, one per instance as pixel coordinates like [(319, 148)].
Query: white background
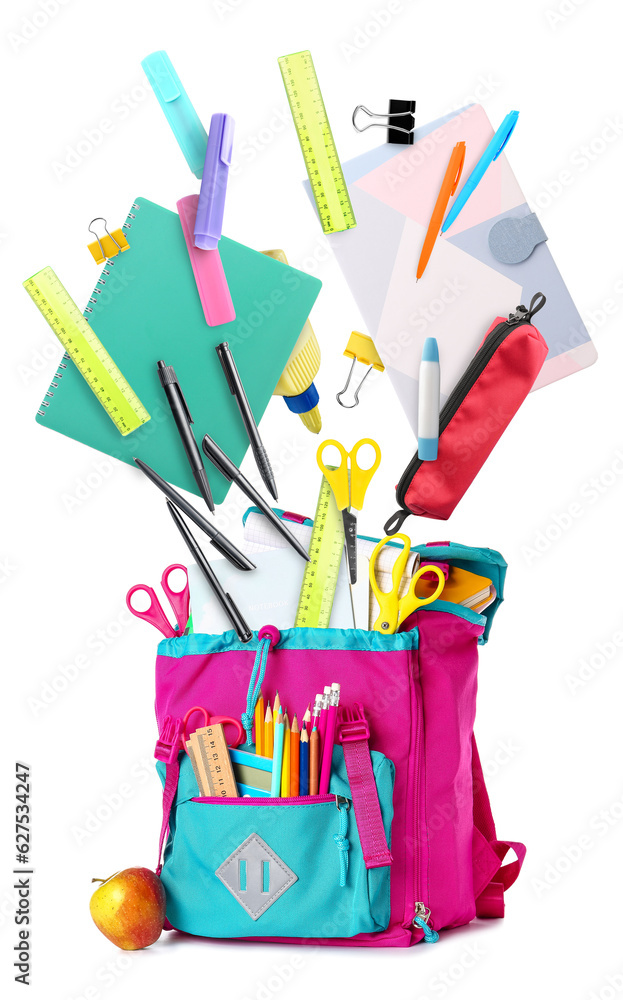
[(552, 749)]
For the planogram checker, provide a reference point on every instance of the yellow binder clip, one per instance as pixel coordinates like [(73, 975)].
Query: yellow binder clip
[(361, 348), (109, 245)]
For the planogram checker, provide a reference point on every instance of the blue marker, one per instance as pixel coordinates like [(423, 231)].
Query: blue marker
[(428, 402), (490, 154)]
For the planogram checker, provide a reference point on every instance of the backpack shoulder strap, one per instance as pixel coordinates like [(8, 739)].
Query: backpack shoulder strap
[(491, 876)]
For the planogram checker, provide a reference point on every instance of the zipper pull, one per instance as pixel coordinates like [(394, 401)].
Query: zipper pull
[(520, 314), (340, 839), (421, 918)]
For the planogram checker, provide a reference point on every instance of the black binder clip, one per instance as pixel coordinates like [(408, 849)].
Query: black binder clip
[(399, 131)]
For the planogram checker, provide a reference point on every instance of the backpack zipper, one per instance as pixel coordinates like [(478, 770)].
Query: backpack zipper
[(473, 371)]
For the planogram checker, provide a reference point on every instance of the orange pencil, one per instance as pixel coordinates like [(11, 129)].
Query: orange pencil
[(448, 187), (268, 733), (295, 737), (259, 725), (314, 761)]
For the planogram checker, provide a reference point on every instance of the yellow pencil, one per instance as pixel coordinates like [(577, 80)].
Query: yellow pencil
[(259, 725), (268, 733), (285, 767)]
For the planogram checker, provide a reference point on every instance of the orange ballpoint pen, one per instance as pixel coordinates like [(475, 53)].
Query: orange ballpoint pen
[(447, 189)]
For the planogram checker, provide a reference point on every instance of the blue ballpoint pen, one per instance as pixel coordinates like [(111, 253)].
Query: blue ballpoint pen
[(490, 154)]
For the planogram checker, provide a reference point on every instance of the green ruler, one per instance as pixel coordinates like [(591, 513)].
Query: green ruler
[(325, 552), (86, 351), (314, 134)]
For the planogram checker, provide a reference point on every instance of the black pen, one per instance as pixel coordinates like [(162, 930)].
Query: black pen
[(219, 541), (237, 389), (227, 468), (183, 420), (242, 629)]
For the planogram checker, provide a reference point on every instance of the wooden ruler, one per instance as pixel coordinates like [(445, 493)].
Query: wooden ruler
[(209, 753)]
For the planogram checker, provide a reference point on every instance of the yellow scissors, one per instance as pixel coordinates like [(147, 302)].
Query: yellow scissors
[(349, 491), (395, 609)]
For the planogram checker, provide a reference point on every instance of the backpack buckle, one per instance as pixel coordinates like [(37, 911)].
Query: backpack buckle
[(352, 724), (170, 742)]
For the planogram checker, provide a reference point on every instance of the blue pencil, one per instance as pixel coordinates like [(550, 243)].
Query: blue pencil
[(275, 784), (304, 763)]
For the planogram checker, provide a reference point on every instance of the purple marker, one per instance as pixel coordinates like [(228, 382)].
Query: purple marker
[(209, 221)]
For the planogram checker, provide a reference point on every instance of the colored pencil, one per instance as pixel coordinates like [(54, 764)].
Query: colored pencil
[(314, 748), (322, 721), (268, 732), (259, 725), (295, 762), (275, 785), (285, 767), (276, 706), (304, 764), (307, 718)]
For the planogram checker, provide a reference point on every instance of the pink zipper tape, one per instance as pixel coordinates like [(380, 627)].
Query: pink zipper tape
[(207, 267)]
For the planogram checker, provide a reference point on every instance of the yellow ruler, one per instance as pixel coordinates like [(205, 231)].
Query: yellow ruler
[(314, 134), (325, 552), (86, 351)]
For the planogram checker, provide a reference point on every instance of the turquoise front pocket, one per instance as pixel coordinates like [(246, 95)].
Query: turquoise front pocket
[(274, 868)]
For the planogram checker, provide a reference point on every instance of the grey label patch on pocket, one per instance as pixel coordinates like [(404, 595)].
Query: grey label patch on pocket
[(255, 875), (513, 240)]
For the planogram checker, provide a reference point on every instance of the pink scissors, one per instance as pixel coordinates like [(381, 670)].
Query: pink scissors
[(178, 599), (214, 720)]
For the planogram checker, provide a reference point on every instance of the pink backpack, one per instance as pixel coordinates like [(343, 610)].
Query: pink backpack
[(404, 843)]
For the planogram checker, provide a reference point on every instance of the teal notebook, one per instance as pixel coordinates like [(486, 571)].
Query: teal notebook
[(145, 307)]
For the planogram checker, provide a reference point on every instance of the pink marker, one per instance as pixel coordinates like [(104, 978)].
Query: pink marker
[(329, 738), (207, 267)]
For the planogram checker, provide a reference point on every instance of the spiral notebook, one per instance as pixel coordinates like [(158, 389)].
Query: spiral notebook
[(145, 307)]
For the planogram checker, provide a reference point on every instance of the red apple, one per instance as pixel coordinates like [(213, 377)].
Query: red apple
[(129, 908)]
